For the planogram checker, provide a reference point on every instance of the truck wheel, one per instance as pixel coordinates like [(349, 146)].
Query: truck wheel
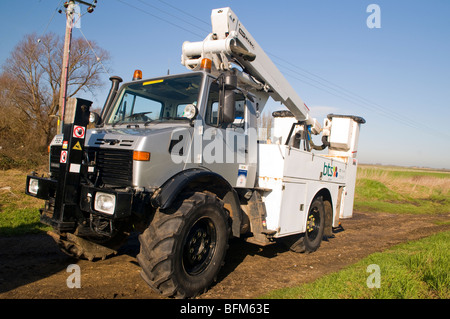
[(184, 247), (315, 222)]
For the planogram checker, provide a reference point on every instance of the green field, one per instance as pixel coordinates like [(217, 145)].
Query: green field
[(19, 213), (402, 190)]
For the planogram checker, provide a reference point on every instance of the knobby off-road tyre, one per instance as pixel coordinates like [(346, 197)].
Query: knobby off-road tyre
[(184, 247), (315, 223)]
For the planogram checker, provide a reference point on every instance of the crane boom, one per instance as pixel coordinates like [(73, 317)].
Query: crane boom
[(230, 42)]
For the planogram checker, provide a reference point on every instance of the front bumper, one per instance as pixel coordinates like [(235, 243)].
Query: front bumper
[(123, 202), (46, 187), (78, 202)]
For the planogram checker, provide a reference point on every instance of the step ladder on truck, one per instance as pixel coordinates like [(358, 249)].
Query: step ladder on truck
[(177, 159)]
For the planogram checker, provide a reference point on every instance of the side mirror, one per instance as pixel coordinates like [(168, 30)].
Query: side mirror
[(94, 118), (229, 102), (228, 98)]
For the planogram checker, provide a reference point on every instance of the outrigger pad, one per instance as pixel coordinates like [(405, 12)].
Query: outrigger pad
[(78, 247)]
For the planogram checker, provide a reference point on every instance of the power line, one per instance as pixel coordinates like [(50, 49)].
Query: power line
[(347, 98), (333, 86), (322, 83), (184, 12), (93, 51), (355, 98), (51, 18), (34, 48), (338, 93), (326, 85), (159, 18), (381, 111), (170, 14)]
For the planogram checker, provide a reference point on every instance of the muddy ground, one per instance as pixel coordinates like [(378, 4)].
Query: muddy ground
[(33, 267)]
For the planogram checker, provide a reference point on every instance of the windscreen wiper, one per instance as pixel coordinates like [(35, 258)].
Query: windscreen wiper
[(148, 122), (118, 122)]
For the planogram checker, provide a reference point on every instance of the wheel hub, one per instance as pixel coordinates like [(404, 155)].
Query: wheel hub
[(199, 247), (312, 226)]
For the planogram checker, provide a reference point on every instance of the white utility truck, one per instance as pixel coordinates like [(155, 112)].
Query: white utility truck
[(177, 159)]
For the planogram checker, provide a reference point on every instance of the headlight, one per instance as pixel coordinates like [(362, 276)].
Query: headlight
[(190, 111), (105, 203), (33, 186)]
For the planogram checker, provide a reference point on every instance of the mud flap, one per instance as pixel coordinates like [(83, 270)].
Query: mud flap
[(257, 210)]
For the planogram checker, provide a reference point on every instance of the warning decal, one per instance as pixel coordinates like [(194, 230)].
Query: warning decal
[(77, 147), (79, 131), (63, 158), (242, 176)]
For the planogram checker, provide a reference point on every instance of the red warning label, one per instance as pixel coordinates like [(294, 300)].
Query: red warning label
[(63, 158), (79, 131)]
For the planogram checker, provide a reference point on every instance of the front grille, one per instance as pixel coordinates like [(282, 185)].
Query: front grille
[(115, 166)]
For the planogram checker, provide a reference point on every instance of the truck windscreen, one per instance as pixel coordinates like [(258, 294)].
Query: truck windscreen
[(163, 99)]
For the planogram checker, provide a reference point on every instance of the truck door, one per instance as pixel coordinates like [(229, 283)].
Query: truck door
[(230, 149)]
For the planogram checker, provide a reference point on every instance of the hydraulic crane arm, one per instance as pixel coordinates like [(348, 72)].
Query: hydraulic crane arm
[(230, 42)]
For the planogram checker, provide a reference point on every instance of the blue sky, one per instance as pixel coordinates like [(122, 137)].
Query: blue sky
[(397, 77)]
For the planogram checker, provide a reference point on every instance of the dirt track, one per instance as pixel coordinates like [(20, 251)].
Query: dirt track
[(33, 267)]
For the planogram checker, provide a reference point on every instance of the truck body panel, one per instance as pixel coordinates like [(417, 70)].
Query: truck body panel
[(291, 179)]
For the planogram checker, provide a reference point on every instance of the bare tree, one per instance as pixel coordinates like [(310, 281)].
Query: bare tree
[(31, 79)]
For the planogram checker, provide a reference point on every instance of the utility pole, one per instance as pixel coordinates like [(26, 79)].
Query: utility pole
[(65, 66), (70, 10)]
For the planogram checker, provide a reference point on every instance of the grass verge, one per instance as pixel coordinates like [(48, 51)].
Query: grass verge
[(401, 190), (417, 269), (413, 270), (19, 213)]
